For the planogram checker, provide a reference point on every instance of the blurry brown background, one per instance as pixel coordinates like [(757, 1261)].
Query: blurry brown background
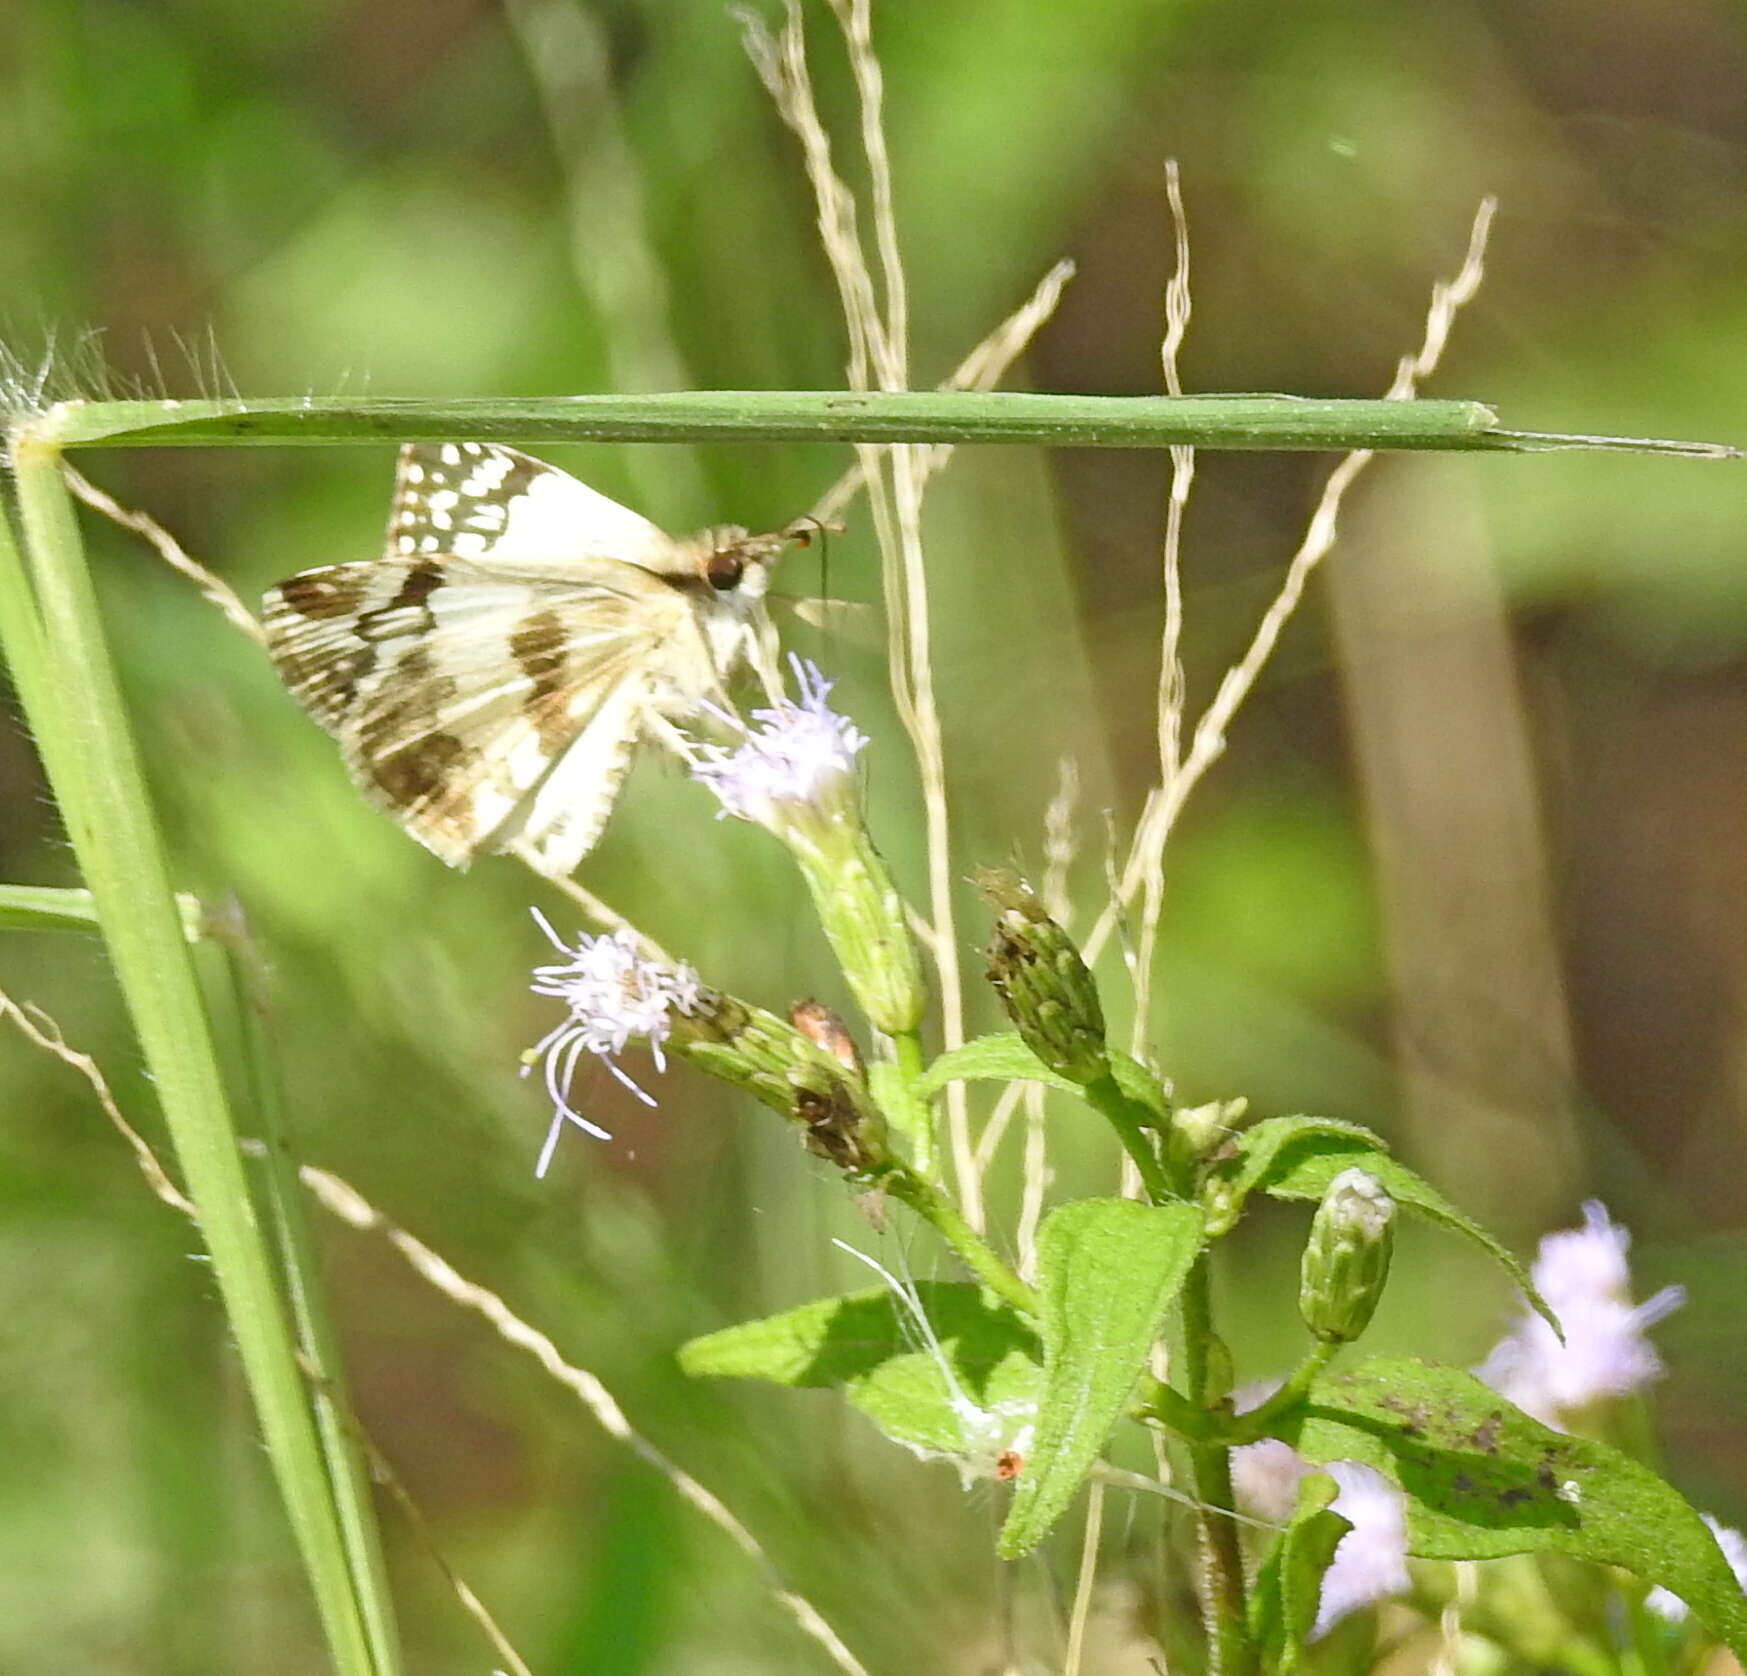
[(1472, 871)]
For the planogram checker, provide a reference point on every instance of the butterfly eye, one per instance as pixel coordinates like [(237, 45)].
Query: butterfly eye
[(724, 571)]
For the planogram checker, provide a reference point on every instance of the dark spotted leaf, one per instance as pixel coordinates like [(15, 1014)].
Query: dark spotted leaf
[(1484, 1480)]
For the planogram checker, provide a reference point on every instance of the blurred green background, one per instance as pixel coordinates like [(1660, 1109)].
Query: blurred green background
[(1472, 872)]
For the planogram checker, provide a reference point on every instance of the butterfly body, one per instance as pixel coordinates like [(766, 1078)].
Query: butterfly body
[(490, 675)]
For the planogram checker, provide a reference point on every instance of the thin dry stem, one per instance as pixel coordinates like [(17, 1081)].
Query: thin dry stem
[(1171, 691), (877, 351), (1061, 842), (1088, 1578), (608, 919), (982, 369), (170, 550), (781, 63), (42, 1030), (1165, 803), (855, 19), (1036, 1178), (351, 1207)]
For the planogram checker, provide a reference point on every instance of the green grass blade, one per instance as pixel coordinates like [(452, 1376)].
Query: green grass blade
[(57, 908), (953, 416), (300, 1263), (66, 679)]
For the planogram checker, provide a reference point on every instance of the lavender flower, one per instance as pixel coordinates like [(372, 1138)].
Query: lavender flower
[(1670, 1606), (1370, 1561), (614, 994), (800, 757), (1583, 1275)]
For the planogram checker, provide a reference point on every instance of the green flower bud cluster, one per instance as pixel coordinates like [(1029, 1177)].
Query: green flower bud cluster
[(1043, 983), (1346, 1259), (768, 1058)]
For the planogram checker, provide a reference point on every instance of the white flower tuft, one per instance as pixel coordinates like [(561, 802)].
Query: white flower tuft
[(799, 756), (614, 995), (1583, 1275)]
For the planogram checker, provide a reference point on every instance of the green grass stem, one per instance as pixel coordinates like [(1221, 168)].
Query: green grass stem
[(59, 656), (63, 908), (940, 416)]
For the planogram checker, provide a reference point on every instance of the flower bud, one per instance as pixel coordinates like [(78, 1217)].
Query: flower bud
[(1197, 1131), (1043, 983), (777, 1064), (1346, 1259)]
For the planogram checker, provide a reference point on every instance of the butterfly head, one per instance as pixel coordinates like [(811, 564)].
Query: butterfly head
[(734, 561)]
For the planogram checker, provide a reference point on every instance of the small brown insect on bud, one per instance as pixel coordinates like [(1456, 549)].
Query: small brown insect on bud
[(826, 1029), (834, 1126)]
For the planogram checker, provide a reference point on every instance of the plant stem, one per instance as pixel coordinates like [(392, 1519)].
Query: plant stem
[(1130, 1119), (1259, 1422), (60, 658), (301, 1264), (1230, 1650), (916, 1121), (933, 1206), (59, 908), (936, 416)]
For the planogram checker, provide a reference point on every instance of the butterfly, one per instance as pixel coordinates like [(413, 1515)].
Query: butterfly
[(489, 676)]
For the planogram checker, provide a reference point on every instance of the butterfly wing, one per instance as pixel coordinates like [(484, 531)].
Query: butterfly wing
[(497, 506), (480, 705)]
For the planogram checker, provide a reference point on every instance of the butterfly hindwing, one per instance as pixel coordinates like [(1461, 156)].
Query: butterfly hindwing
[(457, 688)]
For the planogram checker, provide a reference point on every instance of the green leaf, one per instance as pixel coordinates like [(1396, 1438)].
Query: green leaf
[(965, 1394), (1256, 1157), (1107, 1271), (1484, 1480), (1297, 1158), (1288, 1587), (1005, 1058)]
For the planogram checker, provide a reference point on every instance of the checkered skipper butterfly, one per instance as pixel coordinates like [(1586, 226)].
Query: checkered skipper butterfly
[(489, 675)]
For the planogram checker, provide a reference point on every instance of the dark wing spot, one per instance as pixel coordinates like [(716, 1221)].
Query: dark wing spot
[(418, 774), (327, 682), (399, 739), (540, 647), (321, 594), (421, 582), (409, 612)]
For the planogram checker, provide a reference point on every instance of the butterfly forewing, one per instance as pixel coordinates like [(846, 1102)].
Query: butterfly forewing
[(481, 502)]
